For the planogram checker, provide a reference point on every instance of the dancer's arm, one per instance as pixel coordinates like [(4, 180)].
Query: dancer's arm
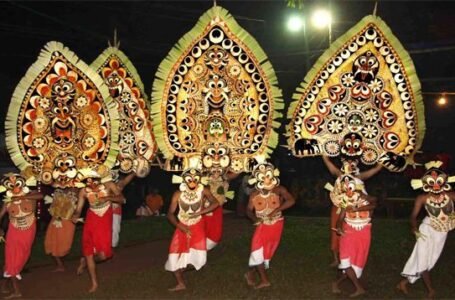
[(330, 166), (340, 220), (171, 213), (80, 204), (126, 180), (419, 202), (289, 200), (371, 172), (211, 199), (371, 205), (33, 195), (250, 210), (2, 214)]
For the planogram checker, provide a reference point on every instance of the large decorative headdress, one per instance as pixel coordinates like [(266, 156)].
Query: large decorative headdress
[(137, 143), (216, 85), (61, 119), (435, 180), (361, 99)]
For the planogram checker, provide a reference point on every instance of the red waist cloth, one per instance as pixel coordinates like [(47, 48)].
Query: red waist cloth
[(97, 234), (181, 243), (18, 246), (214, 227), (265, 241), (354, 248)]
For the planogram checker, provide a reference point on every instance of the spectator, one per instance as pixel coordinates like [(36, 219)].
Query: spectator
[(154, 202)]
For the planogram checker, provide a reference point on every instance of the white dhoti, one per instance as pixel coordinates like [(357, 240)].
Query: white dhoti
[(426, 251), (116, 223)]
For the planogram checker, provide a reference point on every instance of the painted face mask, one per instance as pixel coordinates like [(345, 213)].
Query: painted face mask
[(15, 185), (192, 178), (266, 177), (435, 181)]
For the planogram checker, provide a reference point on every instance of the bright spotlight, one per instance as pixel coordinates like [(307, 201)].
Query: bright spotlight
[(442, 101), (321, 18), (295, 23)]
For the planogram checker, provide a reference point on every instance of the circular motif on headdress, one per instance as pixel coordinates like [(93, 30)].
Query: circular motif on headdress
[(332, 148), (369, 156)]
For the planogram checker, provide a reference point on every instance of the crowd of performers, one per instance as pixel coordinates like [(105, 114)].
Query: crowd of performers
[(189, 211), (214, 112)]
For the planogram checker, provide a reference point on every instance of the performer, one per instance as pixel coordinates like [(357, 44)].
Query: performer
[(354, 228), (431, 235), (216, 161), (188, 245), (97, 232), (350, 166), (117, 208), (60, 231), (267, 202), (20, 204)]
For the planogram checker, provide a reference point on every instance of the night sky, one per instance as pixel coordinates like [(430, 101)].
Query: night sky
[(148, 29)]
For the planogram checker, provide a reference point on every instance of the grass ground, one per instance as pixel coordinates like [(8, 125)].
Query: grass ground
[(298, 270)]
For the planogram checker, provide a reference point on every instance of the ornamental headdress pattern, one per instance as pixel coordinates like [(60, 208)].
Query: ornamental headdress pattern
[(361, 99), (216, 86), (61, 119), (136, 142)]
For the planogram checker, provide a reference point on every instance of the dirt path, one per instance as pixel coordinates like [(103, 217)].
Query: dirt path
[(41, 282)]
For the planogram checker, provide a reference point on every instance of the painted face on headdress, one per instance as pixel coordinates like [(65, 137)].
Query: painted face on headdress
[(216, 157), (191, 178), (435, 181), (216, 57), (15, 185), (352, 145), (216, 127), (266, 177), (365, 67), (355, 121), (93, 182), (63, 90)]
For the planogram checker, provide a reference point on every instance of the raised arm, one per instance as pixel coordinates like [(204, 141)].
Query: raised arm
[(33, 195), (370, 172), (125, 181), (115, 193), (331, 167)]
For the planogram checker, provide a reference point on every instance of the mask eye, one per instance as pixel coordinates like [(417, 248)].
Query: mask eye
[(363, 61), (222, 152), (430, 181), (261, 177), (8, 184), (440, 180)]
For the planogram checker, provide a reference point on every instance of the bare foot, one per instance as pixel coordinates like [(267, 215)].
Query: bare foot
[(81, 267), (335, 288), (178, 287), (431, 294), (249, 280), (334, 264), (402, 286), (93, 288), (262, 285), (59, 269), (13, 296), (357, 293)]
